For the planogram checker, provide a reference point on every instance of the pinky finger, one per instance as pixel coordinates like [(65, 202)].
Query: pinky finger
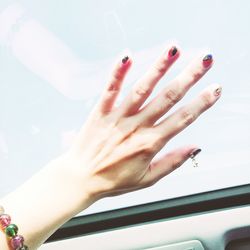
[(168, 163), (113, 87)]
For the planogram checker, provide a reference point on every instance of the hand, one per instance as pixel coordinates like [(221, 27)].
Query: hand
[(114, 151)]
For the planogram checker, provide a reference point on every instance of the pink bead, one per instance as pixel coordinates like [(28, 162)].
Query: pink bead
[(4, 220), (17, 241)]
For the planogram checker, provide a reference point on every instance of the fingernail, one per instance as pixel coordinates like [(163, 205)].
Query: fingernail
[(125, 59), (217, 92), (194, 152), (207, 60), (173, 51)]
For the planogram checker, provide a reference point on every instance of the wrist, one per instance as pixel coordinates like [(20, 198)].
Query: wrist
[(3, 241), (47, 200), (72, 182)]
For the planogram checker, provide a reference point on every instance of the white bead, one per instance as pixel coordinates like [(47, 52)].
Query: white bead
[(1, 210)]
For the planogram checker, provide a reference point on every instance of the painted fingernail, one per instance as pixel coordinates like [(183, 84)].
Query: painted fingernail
[(194, 153), (173, 51), (217, 91), (125, 59), (207, 60)]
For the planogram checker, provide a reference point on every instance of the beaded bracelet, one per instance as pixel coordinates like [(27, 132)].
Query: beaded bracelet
[(15, 240)]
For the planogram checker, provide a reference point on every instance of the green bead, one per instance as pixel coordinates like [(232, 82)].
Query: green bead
[(24, 247), (11, 230)]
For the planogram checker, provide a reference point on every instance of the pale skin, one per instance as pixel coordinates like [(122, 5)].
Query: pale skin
[(114, 151)]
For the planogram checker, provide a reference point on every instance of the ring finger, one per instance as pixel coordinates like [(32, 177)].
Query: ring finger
[(183, 117), (177, 88)]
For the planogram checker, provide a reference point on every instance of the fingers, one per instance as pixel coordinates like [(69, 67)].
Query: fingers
[(143, 88), (183, 117), (176, 90), (166, 164), (113, 86)]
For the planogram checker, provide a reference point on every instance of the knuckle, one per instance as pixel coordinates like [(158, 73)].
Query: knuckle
[(161, 107), (117, 76), (172, 96), (160, 68), (148, 150), (187, 117), (142, 91), (113, 87), (194, 75), (114, 84), (153, 146)]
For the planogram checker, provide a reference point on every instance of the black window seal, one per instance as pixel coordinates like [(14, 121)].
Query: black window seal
[(191, 204)]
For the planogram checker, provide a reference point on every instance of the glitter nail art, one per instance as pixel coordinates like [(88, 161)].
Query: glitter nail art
[(207, 60), (217, 92), (192, 156)]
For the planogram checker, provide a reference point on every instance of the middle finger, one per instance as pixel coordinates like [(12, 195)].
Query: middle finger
[(145, 85)]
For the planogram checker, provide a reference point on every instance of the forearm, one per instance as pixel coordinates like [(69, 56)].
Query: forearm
[(45, 202)]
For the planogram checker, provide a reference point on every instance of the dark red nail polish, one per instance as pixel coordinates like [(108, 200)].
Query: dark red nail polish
[(173, 51), (125, 59), (194, 152), (207, 60)]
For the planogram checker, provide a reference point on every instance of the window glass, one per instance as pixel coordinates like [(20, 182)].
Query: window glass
[(55, 58)]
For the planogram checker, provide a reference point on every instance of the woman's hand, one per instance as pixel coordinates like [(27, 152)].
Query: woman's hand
[(114, 150)]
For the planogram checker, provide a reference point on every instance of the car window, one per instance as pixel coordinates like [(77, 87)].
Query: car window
[(55, 59)]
